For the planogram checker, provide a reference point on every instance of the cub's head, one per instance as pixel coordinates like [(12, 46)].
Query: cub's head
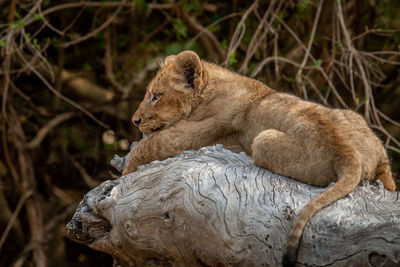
[(172, 94)]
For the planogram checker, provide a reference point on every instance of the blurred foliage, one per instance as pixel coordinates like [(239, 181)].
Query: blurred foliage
[(67, 43)]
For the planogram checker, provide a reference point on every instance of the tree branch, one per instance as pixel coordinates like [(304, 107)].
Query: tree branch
[(213, 207)]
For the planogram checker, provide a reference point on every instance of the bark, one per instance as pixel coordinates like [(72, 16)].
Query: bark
[(213, 207)]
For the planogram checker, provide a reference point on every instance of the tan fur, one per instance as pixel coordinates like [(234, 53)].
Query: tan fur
[(202, 104)]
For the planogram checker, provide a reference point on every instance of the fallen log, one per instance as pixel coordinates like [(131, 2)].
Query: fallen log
[(213, 207)]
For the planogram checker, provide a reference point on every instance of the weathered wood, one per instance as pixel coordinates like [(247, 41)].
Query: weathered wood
[(214, 207)]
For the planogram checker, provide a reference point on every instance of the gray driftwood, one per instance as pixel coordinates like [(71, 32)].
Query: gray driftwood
[(213, 207)]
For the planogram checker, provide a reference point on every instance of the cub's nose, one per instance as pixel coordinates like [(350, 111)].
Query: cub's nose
[(137, 121)]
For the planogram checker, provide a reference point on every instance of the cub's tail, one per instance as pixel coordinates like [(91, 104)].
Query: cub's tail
[(349, 175)]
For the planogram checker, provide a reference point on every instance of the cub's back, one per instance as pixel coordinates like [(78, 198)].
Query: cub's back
[(348, 127)]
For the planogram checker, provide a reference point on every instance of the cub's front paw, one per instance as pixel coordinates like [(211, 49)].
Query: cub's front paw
[(129, 168)]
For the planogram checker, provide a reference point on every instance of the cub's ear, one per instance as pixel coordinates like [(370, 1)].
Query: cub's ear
[(189, 66), (169, 60)]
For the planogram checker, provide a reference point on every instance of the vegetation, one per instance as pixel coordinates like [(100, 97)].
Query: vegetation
[(73, 72)]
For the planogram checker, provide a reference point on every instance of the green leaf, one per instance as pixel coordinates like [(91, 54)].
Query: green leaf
[(86, 66), (338, 43), (17, 15), (286, 78), (318, 63), (36, 43), (277, 22), (18, 25), (21, 24), (2, 43), (364, 100), (298, 77), (55, 42), (224, 44), (53, 157), (180, 28), (140, 4), (36, 16), (191, 5), (303, 5), (232, 59)]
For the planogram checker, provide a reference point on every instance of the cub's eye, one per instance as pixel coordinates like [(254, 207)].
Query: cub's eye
[(156, 96)]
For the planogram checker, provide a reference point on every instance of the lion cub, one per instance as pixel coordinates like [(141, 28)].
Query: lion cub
[(192, 103)]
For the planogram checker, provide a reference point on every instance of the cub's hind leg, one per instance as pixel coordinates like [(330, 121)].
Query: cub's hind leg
[(384, 174), (301, 158), (267, 151), (265, 137)]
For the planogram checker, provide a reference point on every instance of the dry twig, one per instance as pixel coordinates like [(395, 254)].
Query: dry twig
[(42, 133), (307, 53), (239, 32), (13, 218)]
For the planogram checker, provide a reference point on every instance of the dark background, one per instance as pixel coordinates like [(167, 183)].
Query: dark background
[(73, 73)]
